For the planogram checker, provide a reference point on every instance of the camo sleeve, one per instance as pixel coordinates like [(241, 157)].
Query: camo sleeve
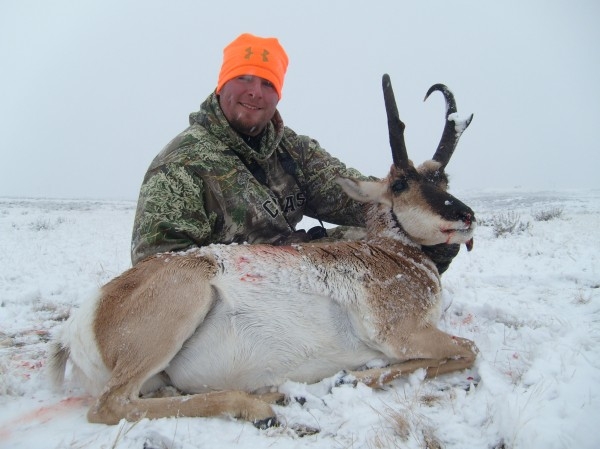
[(171, 213), (325, 198)]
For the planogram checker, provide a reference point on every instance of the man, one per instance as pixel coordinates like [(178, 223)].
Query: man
[(237, 174)]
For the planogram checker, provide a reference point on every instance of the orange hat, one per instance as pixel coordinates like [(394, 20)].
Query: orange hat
[(253, 55)]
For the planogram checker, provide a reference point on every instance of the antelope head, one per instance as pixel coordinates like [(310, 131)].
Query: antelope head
[(414, 200)]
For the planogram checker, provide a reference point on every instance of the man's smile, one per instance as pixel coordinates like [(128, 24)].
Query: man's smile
[(249, 106)]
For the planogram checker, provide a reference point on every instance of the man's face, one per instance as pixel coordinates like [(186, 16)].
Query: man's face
[(249, 103)]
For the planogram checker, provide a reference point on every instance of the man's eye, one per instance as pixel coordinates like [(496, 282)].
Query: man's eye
[(267, 83)]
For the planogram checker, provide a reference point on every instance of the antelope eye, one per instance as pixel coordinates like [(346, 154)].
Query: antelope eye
[(399, 185)]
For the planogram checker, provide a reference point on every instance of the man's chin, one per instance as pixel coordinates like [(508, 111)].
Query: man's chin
[(248, 128)]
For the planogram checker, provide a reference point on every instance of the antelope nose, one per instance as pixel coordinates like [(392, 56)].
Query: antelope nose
[(467, 217)]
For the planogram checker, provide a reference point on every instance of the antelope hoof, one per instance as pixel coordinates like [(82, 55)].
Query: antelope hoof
[(300, 400), (345, 378), (266, 423)]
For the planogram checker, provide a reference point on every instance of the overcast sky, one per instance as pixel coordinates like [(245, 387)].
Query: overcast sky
[(91, 91)]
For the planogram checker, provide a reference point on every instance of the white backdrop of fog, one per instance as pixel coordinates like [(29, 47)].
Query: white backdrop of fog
[(90, 91)]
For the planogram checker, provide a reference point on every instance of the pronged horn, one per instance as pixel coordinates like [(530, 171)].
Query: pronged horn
[(395, 125), (452, 130)]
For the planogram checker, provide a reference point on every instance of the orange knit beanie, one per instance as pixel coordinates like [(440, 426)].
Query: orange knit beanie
[(253, 55)]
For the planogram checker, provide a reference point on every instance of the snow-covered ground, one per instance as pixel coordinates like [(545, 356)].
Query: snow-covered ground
[(529, 298)]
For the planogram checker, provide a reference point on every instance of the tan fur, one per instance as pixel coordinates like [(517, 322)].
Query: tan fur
[(150, 340), (378, 377)]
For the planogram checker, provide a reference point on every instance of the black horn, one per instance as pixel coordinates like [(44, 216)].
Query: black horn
[(395, 125), (452, 130)]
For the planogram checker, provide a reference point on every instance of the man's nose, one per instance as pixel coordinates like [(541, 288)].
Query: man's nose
[(255, 87)]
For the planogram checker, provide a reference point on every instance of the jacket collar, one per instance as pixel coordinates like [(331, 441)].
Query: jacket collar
[(211, 117)]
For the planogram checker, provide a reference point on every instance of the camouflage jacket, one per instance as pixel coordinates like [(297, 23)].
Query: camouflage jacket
[(209, 186)]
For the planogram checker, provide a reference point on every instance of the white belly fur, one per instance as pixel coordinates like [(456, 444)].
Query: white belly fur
[(250, 341)]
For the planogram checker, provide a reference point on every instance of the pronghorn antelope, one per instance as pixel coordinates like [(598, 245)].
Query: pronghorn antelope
[(227, 324)]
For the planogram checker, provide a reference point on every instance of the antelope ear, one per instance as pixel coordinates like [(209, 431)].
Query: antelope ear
[(365, 191)]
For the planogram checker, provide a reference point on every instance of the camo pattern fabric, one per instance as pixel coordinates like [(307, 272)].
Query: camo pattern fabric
[(209, 186)]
